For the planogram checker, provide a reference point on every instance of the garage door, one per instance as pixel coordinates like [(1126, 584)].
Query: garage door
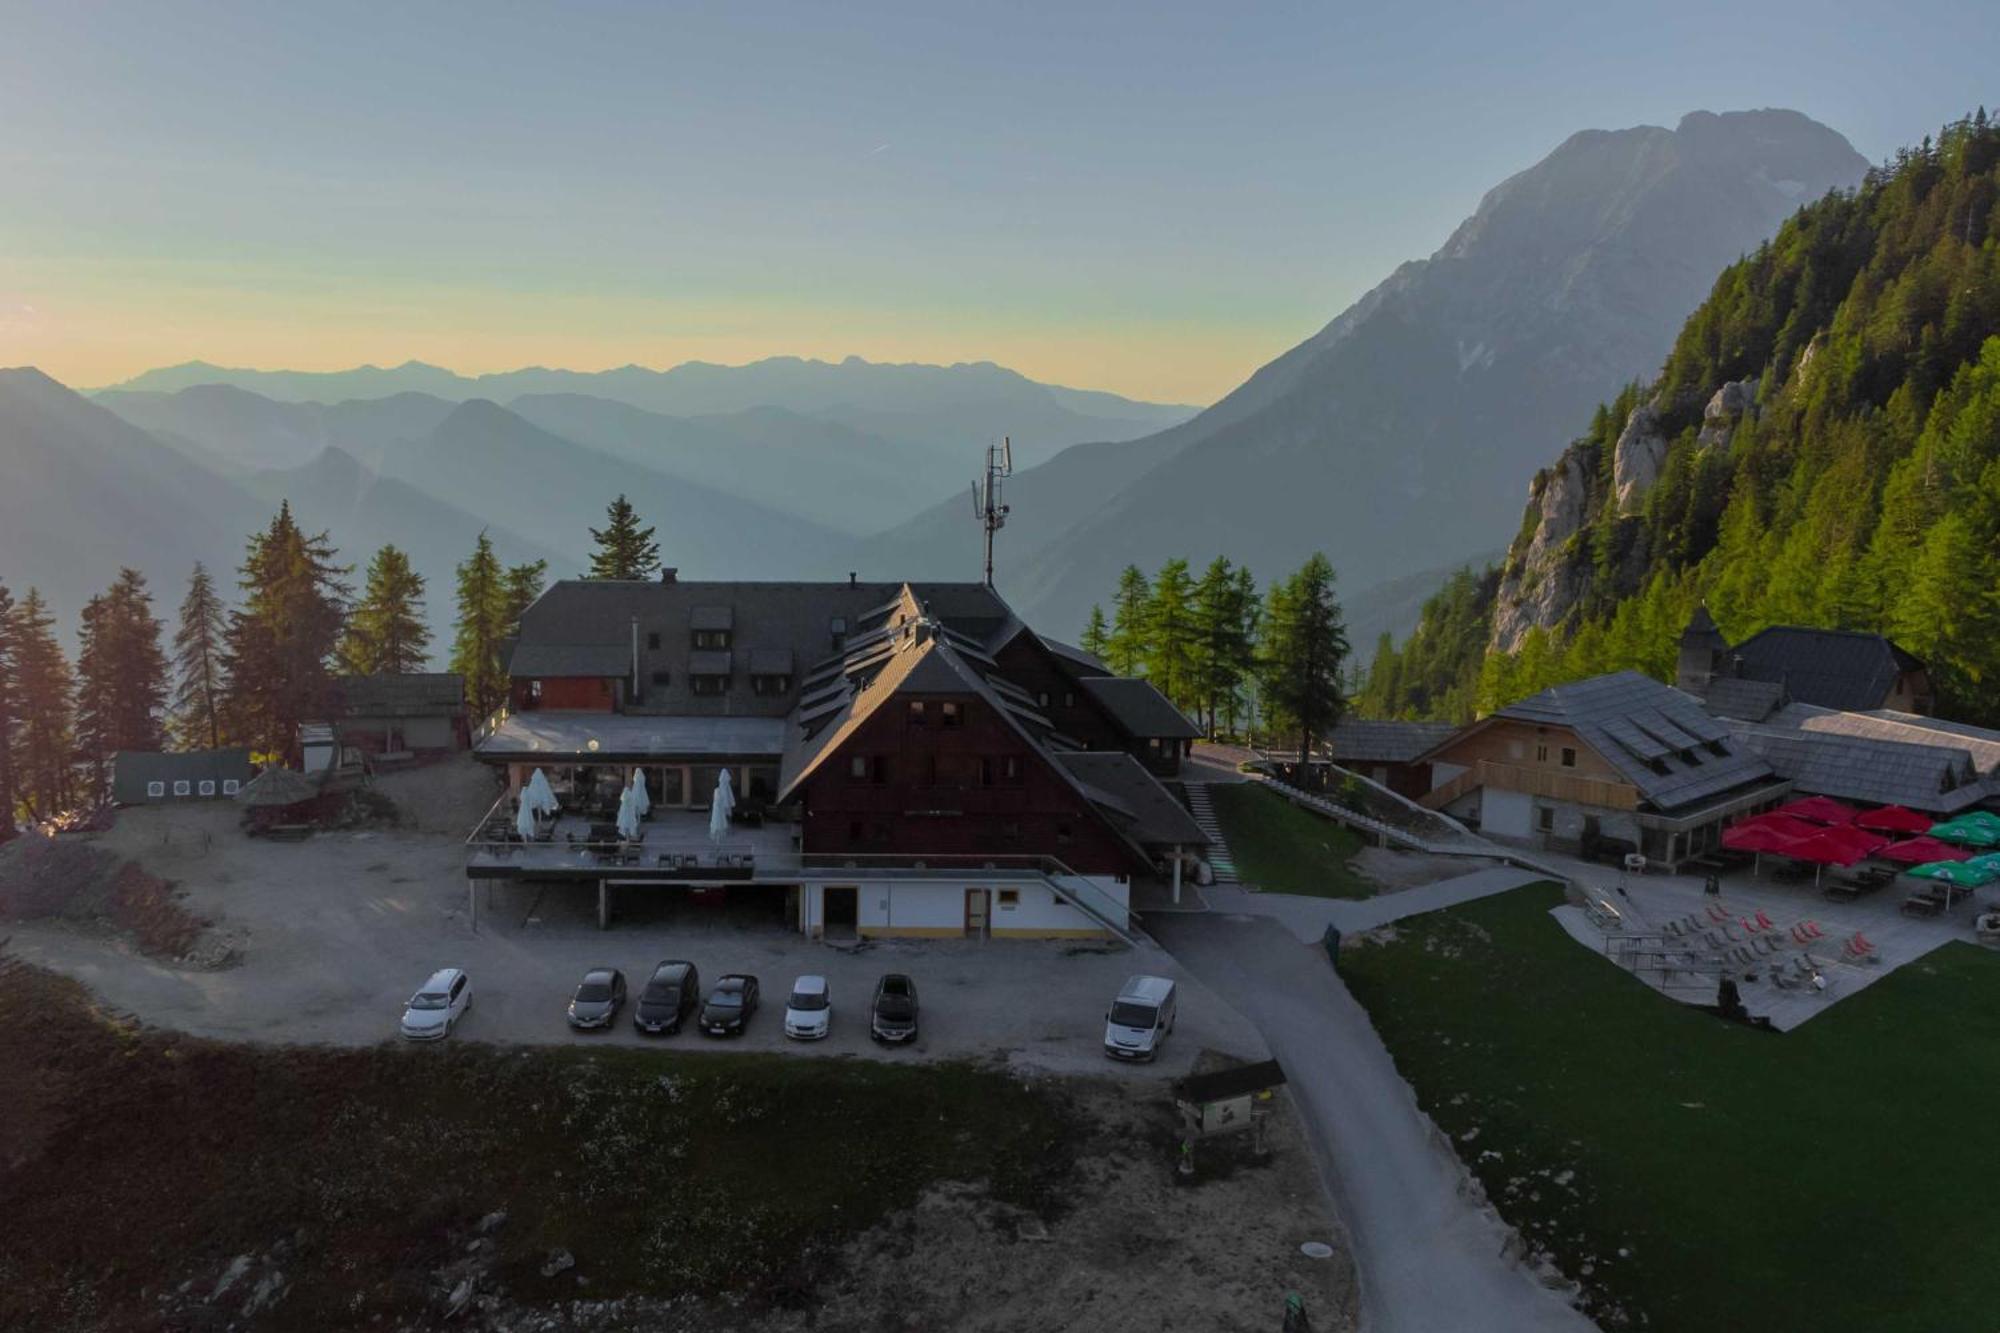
[(1505, 814)]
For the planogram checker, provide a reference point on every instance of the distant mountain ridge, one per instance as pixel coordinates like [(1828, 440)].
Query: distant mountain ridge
[(1396, 438), (937, 406)]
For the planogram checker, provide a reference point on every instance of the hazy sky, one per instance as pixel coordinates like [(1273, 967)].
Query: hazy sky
[(1152, 199)]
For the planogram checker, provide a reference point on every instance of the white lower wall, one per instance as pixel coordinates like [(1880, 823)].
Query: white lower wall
[(934, 909)]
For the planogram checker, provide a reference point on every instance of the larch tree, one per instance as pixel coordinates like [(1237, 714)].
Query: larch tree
[(43, 751), (1221, 640), (1096, 638), (121, 679), (520, 586), (9, 789), (1125, 650), (482, 624), (1304, 658), (199, 683), (281, 642), (386, 633), (625, 550), (1170, 634)]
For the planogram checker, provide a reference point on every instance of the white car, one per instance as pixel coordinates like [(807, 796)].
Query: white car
[(809, 1011), (437, 1006)]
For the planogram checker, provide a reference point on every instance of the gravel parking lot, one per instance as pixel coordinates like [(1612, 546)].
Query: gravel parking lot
[(335, 933)]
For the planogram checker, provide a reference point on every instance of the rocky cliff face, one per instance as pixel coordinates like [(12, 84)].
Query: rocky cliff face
[(1548, 571)]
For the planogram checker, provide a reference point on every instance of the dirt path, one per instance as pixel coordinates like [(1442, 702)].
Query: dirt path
[(1430, 1256)]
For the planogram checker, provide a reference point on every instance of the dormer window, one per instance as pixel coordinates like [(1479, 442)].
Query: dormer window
[(712, 627), (708, 685), (769, 686), (711, 639), (837, 632)]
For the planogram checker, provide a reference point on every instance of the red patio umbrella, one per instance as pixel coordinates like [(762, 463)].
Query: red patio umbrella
[(1818, 809), (1894, 819), (1920, 851), (1768, 833), (1848, 838)]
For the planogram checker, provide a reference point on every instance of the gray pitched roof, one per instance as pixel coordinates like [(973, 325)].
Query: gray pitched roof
[(1660, 740), (1886, 724), (1931, 778), (1831, 668), (423, 694), (1149, 811), (1749, 700), (585, 627), (1371, 741), (1139, 707), (1078, 661)]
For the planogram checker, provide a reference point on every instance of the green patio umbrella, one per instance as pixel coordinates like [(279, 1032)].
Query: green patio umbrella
[(1967, 831), (1963, 874)]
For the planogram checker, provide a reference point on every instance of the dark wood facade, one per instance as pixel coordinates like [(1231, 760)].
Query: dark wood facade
[(911, 781)]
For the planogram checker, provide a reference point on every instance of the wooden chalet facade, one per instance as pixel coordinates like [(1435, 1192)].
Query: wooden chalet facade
[(907, 759)]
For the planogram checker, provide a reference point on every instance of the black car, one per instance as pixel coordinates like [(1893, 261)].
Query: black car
[(598, 998), (892, 1015), (728, 1007), (669, 997)]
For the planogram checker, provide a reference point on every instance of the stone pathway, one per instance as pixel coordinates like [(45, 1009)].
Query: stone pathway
[(1203, 810)]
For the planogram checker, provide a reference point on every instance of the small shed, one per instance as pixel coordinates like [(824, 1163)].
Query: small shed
[(151, 777), (421, 713)]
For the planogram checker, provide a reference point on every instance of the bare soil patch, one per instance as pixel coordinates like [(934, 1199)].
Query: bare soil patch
[(69, 880)]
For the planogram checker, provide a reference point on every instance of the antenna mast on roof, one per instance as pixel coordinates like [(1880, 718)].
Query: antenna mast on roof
[(986, 504)]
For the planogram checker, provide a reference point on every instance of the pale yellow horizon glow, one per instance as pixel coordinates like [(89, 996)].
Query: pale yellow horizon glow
[(93, 340)]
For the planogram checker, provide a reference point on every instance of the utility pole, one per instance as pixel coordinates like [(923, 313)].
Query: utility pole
[(986, 503)]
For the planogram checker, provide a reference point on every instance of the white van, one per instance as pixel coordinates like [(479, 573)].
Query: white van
[(1140, 1019)]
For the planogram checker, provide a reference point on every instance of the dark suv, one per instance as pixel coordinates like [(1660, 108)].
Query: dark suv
[(892, 1015), (671, 995)]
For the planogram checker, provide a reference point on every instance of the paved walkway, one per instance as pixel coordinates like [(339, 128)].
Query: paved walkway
[(1307, 918), (1203, 809), (1430, 1259)]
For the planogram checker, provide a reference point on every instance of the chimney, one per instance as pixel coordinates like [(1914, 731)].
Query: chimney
[(853, 579), (668, 573)]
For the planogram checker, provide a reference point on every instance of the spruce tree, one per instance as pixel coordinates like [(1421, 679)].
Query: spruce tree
[(9, 789), (280, 645), (1096, 635), (43, 752), (1125, 650), (1304, 658), (199, 684), (520, 586), (624, 549), (121, 679), (386, 633), (482, 624)]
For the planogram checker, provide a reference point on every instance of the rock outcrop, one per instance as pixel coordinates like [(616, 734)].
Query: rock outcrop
[(1636, 460), (1729, 405), (1541, 582)]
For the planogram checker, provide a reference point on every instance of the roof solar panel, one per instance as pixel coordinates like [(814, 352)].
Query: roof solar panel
[(1637, 742)]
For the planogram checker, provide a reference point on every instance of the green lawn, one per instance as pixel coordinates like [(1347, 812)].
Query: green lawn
[(1829, 1178), (1283, 849)]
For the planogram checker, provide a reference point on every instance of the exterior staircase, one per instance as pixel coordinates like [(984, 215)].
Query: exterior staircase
[(1203, 810)]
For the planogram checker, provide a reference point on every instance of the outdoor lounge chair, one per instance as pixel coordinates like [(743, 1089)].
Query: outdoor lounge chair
[(1717, 912), (1764, 920)]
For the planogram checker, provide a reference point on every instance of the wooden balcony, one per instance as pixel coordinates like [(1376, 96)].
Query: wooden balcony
[(1550, 783)]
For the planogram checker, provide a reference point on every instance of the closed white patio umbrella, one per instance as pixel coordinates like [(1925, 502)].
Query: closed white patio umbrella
[(640, 799), (541, 794), (719, 808), (524, 818)]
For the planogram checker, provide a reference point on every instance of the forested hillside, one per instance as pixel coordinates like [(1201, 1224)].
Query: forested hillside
[(1822, 447)]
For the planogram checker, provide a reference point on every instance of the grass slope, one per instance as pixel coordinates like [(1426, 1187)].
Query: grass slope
[(1832, 1177), (132, 1158), (1283, 849)]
